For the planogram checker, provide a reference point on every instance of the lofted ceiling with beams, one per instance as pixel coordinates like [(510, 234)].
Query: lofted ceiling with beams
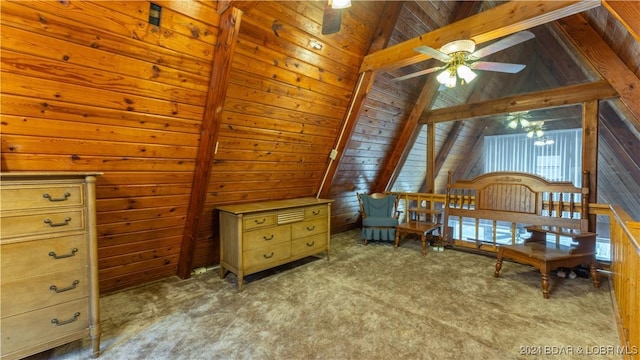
[(388, 144)]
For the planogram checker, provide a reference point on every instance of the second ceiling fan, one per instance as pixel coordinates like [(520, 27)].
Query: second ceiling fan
[(460, 57)]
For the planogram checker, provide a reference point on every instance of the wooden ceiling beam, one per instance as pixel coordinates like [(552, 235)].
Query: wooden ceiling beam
[(564, 96), (488, 25), (605, 60), (628, 13)]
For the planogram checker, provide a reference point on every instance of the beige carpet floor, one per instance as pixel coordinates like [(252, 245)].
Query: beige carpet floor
[(367, 302)]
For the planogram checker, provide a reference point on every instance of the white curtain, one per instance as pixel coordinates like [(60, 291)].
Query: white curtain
[(560, 161)]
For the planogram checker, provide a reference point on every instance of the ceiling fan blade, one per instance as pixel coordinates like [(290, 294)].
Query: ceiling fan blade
[(436, 54), (499, 67), (417, 73), (502, 44)]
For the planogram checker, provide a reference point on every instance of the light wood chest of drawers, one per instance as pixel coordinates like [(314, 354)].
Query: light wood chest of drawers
[(259, 236), (48, 258)]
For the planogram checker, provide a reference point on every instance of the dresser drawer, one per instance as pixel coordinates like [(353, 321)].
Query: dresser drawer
[(40, 291), (264, 257), (38, 327), (33, 258), (41, 196), (259, 238), (315, 212), (312, 244), (42, 223), (308, 228), (258, 221)]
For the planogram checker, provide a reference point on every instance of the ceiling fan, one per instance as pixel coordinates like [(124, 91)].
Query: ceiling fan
[(460, 57)]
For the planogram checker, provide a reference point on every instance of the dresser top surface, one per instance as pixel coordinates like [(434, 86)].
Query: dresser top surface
[(272, 205), (15, 175)]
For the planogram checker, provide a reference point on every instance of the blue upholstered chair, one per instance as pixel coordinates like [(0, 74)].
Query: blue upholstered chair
[(379, 216)]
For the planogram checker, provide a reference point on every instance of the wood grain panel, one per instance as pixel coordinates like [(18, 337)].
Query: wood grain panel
[(91, 85), (68, 27)]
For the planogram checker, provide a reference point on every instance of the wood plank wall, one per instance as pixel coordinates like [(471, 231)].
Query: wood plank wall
[(284, 108), (92, 86)]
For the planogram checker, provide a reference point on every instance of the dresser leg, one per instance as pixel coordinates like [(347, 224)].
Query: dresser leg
[(95, 333)]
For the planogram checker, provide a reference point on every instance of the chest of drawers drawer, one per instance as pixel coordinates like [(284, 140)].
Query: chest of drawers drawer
[(46, 324), (309, 245), (49, 222), (262, 237), (308, 228), (42, 291), (32, 258), (264, 257), (41, 196)]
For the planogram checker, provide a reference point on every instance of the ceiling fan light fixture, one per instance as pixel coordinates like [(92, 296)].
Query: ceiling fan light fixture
[(543, 141), (465, 73), (537, 132), (339, 4), (447, 78), (459, 45)]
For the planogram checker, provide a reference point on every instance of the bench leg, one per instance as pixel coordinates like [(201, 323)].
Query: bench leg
[(423, 238), (594, 275), (498, 263)]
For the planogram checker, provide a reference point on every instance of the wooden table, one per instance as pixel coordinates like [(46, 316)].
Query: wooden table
[(417, 227), (545, 256)]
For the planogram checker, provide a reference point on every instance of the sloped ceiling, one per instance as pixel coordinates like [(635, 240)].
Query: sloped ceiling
[(553, 60)]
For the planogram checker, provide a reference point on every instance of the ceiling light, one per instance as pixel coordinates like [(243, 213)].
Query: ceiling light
[(339, 4), (466, 74), (536, 131), (518, 119), (447, 78), (543, 141)]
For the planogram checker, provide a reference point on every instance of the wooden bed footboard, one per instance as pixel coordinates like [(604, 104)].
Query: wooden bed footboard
[(511, 201)]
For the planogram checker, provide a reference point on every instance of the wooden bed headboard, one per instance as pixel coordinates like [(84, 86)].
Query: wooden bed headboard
[(519, 198)]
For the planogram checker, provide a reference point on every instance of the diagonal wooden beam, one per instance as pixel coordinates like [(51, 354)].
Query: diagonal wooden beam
[(628, 13), (605, 60), (222, 61), (365, 82), (564, 96), (494, 23)]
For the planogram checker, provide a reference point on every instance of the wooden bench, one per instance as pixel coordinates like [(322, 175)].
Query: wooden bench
[(555, 213)]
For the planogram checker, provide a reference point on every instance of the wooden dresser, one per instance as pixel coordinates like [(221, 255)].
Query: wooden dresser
[(259, 236), (48, 256)]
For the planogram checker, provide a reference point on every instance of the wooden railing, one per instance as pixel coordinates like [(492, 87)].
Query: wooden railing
[(625, 269)]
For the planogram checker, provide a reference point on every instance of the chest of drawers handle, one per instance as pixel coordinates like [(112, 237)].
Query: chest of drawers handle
[(56, 256), (48, 197), (268, 256), (52, 224), (268, 238), (57, 322), (73, 286), (311, 228)]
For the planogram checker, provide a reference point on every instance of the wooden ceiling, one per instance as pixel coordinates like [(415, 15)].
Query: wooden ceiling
[(388, 127)]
